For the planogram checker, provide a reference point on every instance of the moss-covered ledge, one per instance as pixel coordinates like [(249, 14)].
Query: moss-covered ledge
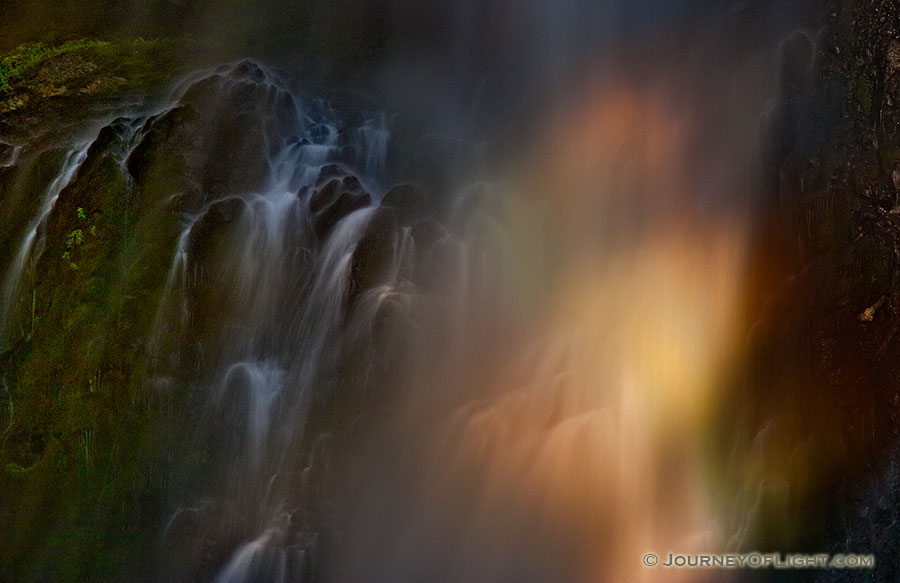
[(46, 86)]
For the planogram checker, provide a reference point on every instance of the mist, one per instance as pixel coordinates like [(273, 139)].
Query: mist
[(422, 290)]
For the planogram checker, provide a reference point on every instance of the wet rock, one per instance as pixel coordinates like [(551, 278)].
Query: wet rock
[(103, 85), (327, 187), (235, 162), (235, 110), (205, 142), (168, 160), (64, 68), (209, 231), (108, 140), (324, 196), (82, 83), (374, 254), (7, 154), (169, 131), (248, 69), (407, 201), (13, 103), (352, 184), (204, 91), (849, 267), (335, 200), (330, 171), (187, 201), (46, 91), (893, 57)]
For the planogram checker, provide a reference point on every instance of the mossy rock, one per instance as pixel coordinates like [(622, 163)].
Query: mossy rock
[(41, 84)]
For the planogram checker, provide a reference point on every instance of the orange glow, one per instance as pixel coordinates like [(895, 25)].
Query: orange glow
[(617, 144), (602, 443)]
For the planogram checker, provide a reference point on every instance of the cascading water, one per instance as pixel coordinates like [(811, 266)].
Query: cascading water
[(255, 309), (31, 245), (282, 272), (294, 365)]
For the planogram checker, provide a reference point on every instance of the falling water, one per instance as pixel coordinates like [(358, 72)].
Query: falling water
[(31, 244), (287, 261), (506, 374)]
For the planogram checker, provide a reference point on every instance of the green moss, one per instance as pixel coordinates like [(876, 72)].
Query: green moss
[(83, 449), (37, 71), (15, 65), (143, 64), (86, 456)]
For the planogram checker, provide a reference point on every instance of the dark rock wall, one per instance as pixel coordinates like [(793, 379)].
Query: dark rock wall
[(817, 397)]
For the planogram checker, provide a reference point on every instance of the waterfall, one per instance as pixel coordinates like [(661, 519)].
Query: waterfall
[(307, 333), (285, 261), (266, 261), (31, 244)]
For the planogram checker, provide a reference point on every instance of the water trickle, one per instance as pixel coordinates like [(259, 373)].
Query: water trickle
[(277, 257), (252, 389), (258, 560), (31, 246)]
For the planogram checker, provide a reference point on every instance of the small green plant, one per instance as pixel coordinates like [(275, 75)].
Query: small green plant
[(76, 238), (73, 239)]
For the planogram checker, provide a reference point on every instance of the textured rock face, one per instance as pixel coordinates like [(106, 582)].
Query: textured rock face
[(82, 78), (868, 31), (177, 236), (825, 348), (333, 200)]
